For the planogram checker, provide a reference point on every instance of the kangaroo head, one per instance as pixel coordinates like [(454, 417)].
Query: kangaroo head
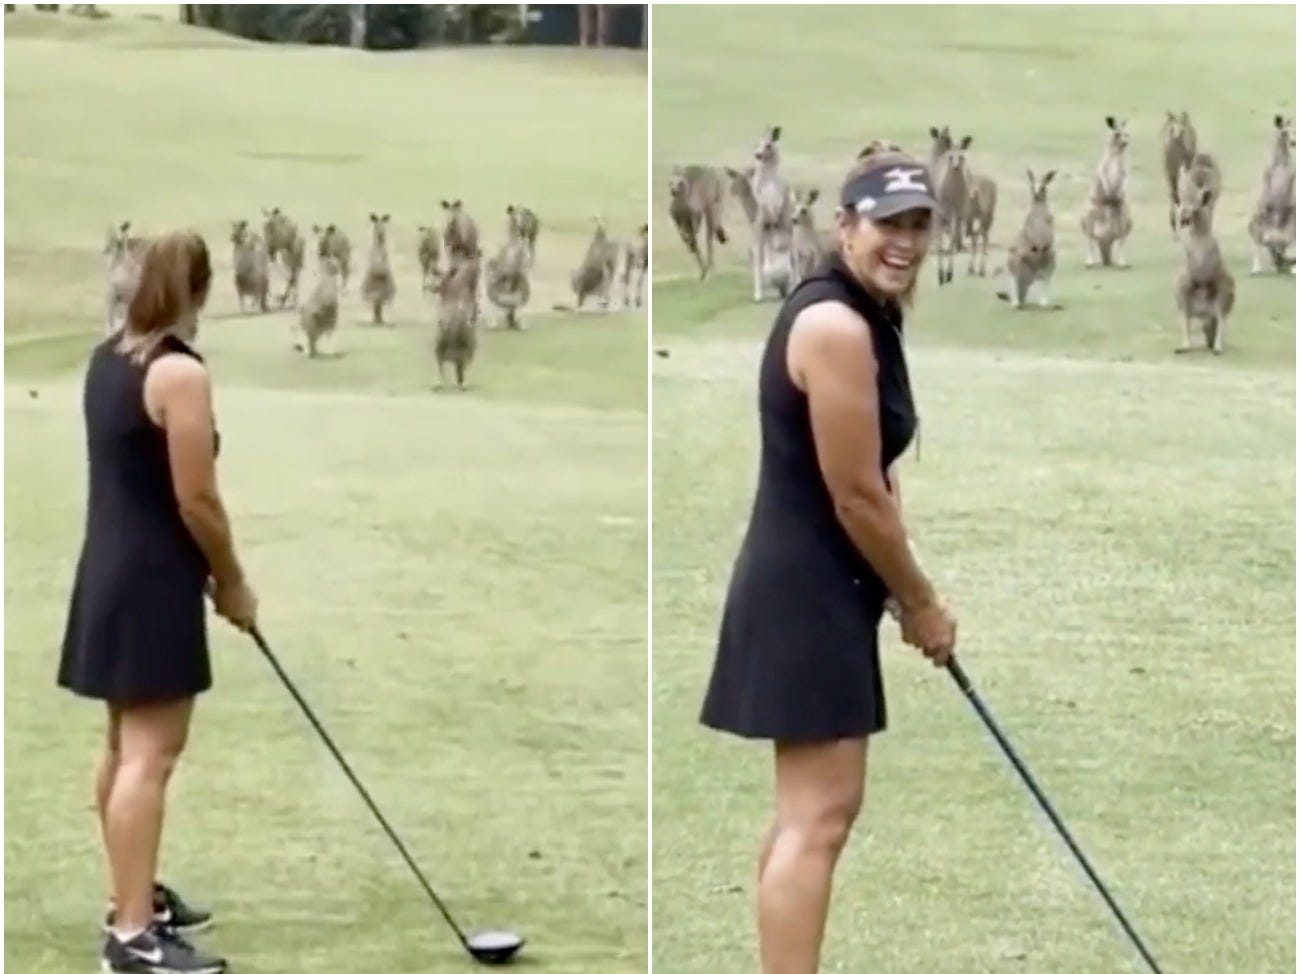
[(1116, 134), (239, 232), (803, 204), (1038, 191), (940, 141), (1177, 127), (451, 206), (955, 157), (766, 152)]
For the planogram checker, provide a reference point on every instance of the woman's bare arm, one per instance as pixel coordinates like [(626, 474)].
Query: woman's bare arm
[(178, 396), (830, 357)]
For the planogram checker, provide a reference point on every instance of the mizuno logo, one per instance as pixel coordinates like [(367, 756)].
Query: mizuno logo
[(904, 180)]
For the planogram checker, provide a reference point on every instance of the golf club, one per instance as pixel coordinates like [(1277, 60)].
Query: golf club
[(964, 684), (487, 946)]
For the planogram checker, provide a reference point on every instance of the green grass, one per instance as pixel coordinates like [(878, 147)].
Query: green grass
[(457, 582), (1113, 523)]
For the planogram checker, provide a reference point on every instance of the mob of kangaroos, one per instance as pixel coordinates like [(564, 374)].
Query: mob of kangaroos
[(451, 265), (786, 242)]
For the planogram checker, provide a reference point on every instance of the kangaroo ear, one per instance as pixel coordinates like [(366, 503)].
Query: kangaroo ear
[(1170, 116), (126, 225), (373, 218), (1110, 121), (934, 132), (1186, 118), (331, 228), (812, 196), (1051, 174), (510, 210), (446, 205), (966, 141), (1032, 187), (1278, 121), (386, 217), (776, 133)]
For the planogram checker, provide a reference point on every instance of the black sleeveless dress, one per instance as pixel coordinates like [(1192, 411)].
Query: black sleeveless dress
[(797, 657), (136, 629)]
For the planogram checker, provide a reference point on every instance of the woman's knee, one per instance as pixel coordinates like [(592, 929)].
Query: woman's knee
[(152, 740), (832, 816)]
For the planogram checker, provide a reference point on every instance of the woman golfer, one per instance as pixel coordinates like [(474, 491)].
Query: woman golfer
[(156, 538), (826, 549)]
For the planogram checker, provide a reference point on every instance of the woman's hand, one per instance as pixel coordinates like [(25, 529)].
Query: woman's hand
[(931, 628), (236, 602)]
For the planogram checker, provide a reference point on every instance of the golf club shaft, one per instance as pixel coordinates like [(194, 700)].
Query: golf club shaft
[(964, 684), (324, 736)]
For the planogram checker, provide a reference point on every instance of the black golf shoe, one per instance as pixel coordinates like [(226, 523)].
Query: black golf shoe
[(169, 910), (156, 951)]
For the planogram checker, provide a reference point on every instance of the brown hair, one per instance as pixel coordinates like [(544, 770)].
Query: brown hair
[(175, 274), (877, 155)]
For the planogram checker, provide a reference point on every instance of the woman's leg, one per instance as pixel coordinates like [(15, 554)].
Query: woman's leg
[(818, 794), (105, 773), (151, 738)]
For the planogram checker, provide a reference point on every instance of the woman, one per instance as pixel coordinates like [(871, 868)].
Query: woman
[(156, 539), (826, 550)]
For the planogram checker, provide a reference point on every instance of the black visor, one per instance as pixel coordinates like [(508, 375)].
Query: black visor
[(887, 191)]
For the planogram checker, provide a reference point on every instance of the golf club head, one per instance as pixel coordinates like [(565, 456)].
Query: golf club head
[(494, 946)]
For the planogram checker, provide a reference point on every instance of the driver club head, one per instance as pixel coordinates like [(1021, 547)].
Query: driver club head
[(494, 946)]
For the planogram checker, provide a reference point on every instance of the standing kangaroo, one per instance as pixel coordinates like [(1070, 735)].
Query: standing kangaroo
[(284, 244), (636, 263), (429, 252), (1106, 221), (507, 280), (595, 275), (953, 190), (125, 258), (378, 287), (695, 204), (1178, 140), (773, 263), (808, 243), (1032, 257), (522, 223), (1272, 225), (333, 243), (252, 269), (1206, 290)]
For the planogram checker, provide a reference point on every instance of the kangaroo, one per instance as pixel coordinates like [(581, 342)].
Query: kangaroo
[(457, 338), (636, 262), (772, 259), (695, 204), (1206, 290), (252, 269), (739, 182), (125, 258), (507, 280), (1202, 173), (284, 244), (460, 235), (1178, 140), (333, 242), (320, 315), (430, 254), (981, 208), (1032, 257), (940, 143), (378, 287), (522, 222), (808, 244), (1107, 222), (1272, 224), (595, 276), (953, 190)]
